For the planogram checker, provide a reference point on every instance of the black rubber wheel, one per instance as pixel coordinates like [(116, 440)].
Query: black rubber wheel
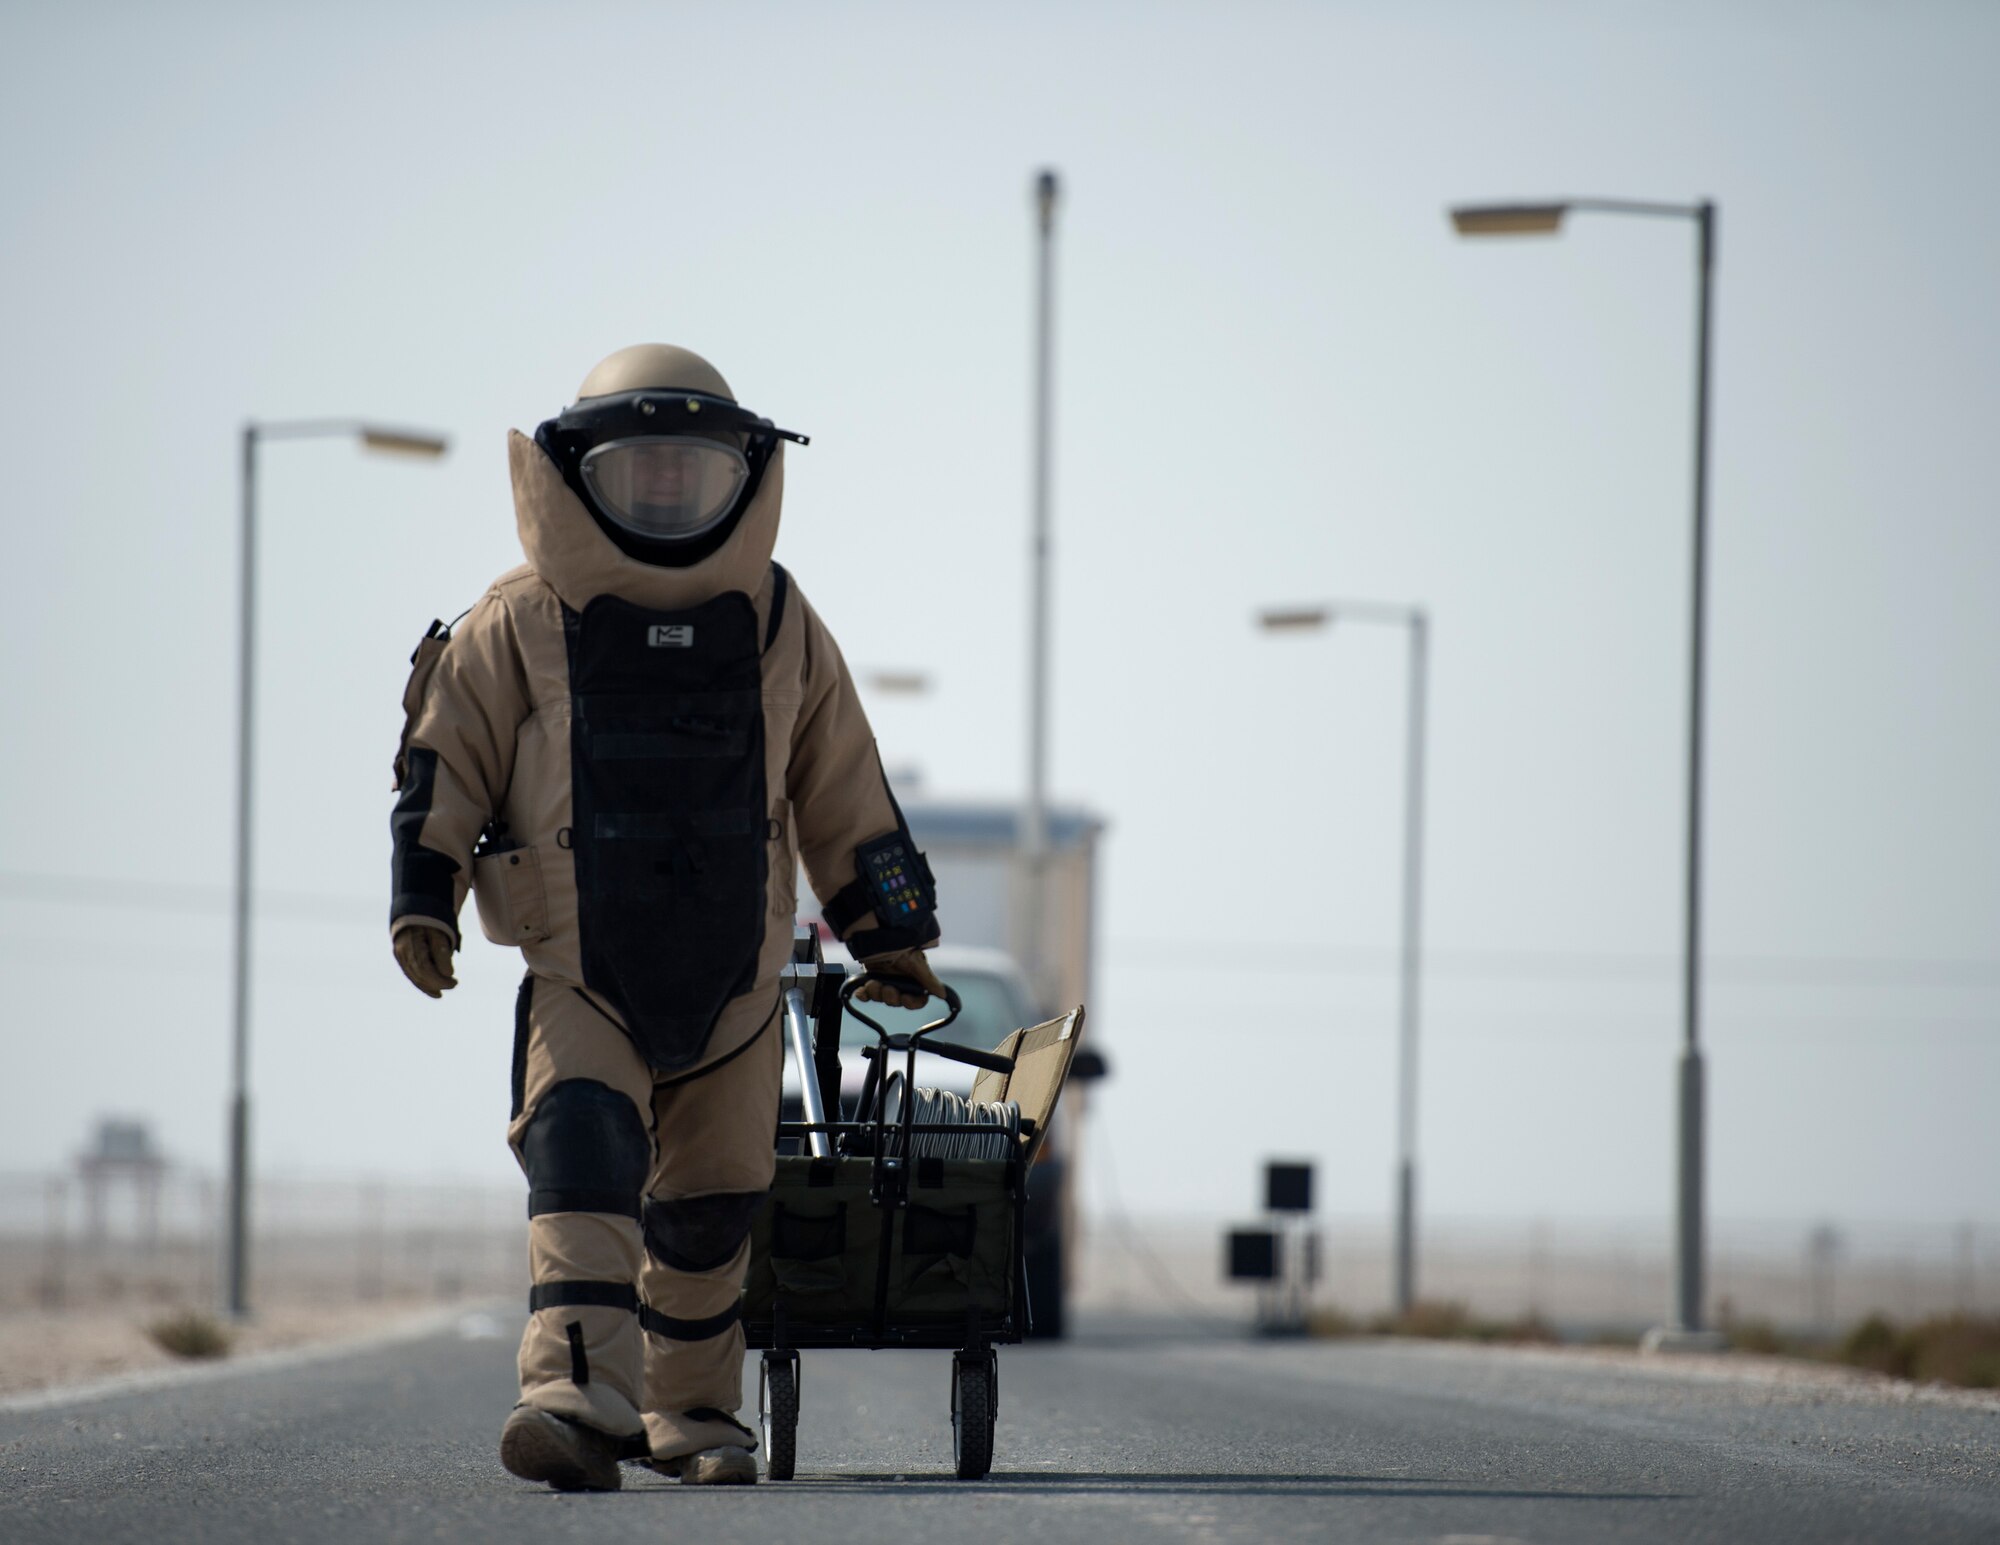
[(975, 1402), (778, 1408)]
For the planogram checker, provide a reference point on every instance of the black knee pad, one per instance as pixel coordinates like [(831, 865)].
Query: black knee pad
[(585, 1150), (699, 1233)]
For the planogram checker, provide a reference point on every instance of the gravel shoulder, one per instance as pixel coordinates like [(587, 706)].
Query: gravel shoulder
[(1791, 1376), (44, 1351)]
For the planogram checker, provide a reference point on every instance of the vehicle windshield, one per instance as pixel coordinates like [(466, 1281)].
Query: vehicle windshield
[(991, 1013)]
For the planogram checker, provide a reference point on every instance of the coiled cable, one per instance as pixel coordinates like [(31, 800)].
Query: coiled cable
[(992, 1127)]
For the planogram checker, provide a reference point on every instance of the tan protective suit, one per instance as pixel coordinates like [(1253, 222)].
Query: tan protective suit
[(605, 724)]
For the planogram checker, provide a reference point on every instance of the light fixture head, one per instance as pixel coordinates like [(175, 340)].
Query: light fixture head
[(1294, 619), (402, 442), (1508, 219), (902, 683)]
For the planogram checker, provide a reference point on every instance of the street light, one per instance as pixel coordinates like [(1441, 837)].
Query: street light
[(1300, 619), (374, 437), (1545, 218), (899, 683)]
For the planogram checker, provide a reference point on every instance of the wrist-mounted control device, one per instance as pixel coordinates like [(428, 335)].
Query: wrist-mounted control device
[(894, 882), (899, 878)]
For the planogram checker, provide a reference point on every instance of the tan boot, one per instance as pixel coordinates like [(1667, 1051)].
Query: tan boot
[(539, 1446), (724, 1466), (726, 1463)]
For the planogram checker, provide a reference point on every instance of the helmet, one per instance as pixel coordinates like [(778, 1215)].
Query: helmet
[(661, 454)]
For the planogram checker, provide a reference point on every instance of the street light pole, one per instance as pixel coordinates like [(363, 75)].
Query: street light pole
[(373, 437), (1035, 839), (1413, 869), (1417, 620), (1692, 1252), (238, 1266), (1690, 1245)]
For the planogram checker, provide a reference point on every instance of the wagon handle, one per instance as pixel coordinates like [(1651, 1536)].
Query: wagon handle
[(992, 1061), (901, 984)]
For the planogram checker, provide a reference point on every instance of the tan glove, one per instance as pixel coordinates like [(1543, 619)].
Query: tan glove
[(910, 963), (424, 953)]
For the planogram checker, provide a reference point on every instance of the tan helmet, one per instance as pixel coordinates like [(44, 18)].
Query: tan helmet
[(658, 367), (661, 453)]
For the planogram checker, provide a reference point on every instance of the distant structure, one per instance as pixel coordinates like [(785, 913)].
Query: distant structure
[(1285, 1275), (122, 1152)]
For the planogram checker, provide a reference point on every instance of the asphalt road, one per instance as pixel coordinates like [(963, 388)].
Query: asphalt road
[(1124, 1434)]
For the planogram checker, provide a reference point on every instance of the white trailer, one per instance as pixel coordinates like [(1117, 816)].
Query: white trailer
[(985, 891)]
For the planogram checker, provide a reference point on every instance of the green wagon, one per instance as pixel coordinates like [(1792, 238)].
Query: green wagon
[(891, 1230)]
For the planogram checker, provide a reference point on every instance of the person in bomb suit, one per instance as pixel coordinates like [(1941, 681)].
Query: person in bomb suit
[(624, 750)]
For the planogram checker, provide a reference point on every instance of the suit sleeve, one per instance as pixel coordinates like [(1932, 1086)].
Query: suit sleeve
[(841, 801), (456, 767)]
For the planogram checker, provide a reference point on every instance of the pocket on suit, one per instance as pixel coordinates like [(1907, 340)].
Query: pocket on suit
[(513, 904)]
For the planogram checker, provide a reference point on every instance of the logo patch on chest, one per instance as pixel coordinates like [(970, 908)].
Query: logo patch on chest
[(677, 636)]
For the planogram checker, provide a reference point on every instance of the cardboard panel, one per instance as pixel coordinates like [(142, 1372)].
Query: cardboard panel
[(1042, 1056)]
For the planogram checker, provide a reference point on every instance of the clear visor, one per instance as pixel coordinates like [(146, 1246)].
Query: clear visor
[(665, 486)]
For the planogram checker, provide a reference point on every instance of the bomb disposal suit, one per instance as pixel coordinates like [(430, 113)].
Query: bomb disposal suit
[(623, 750)]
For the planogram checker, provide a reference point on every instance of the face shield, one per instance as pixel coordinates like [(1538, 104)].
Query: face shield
[(666, 475), (665, 488)]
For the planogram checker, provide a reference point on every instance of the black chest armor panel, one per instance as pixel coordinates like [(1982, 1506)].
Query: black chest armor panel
[(668, 813)]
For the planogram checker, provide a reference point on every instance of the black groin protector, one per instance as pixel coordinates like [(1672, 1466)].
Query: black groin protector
[(699, 1233), (667, 783), (585, 1150)]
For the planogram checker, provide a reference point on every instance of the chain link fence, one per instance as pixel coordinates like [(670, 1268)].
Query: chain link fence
[(1814, 1277), (68, 1241)]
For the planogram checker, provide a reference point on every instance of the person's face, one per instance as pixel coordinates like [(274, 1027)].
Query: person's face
[(663, 488), (663, 475)]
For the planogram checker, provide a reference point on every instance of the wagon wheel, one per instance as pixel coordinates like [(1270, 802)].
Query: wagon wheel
[(778, 1413), (975, 1403)]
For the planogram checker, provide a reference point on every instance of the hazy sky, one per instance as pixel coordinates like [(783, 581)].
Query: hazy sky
[(1280, 378)]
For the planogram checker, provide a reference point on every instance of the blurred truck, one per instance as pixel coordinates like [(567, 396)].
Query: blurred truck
[(989, 923)]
